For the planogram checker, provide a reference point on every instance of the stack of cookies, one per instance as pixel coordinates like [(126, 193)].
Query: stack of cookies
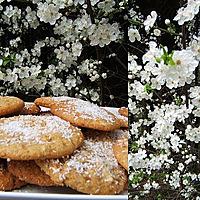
[(74, 143)]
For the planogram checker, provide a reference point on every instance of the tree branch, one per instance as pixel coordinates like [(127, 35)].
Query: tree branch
[(99, 53)]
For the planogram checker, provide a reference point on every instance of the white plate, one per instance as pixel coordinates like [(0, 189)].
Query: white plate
[(55, 193)]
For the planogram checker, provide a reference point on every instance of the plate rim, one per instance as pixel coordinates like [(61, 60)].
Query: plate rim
[(50, 196)]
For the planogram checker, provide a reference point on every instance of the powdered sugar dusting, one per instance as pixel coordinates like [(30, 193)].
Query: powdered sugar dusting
[(89, 110), (55, 166), (62, 98), (119, 133), (32, 129), (115, 112), (93, 155)]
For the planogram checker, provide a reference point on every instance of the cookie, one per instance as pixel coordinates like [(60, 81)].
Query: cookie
[(49, 101), (123, 111), (118, 134), (85, 114), (7, 180), (29, 172), (53, 168), (10, 105), (92, 169), (120, 148), (115, 111), (119, 139), (29, 137), (30, 109)]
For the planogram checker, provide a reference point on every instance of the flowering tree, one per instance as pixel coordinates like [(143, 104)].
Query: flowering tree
[(164, 103), (63, 47)]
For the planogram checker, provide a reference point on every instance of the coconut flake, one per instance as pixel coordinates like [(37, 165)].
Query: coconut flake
[(31, 129), (115, 111), (62, 98), (87, 110), (95, 155)]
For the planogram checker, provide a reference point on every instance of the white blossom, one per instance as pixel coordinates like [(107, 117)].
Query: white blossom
[(192, 134), (151, 19), (134, 35), (104, 33), (48, 13), (187, 13), (195, 47), (174, 74)]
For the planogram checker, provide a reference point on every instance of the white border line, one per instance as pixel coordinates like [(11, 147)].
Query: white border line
[(42, 196)]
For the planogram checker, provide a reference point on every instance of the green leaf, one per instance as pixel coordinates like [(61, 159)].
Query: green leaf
[(158, 60), (171, 62), (5, 62), (148, 89), (159, 197), (9, 59), (137, 177), (134, 146), (167, 58), (178, 101)]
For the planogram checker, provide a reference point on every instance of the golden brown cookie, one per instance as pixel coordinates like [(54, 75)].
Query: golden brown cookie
[(10, 105), (7, 180), (85, 114), (91, 169), (49, 101), (115, 111), (53, 168), (29, 172), (120, 148), (123, 111), (30, 109), (29, 137)]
